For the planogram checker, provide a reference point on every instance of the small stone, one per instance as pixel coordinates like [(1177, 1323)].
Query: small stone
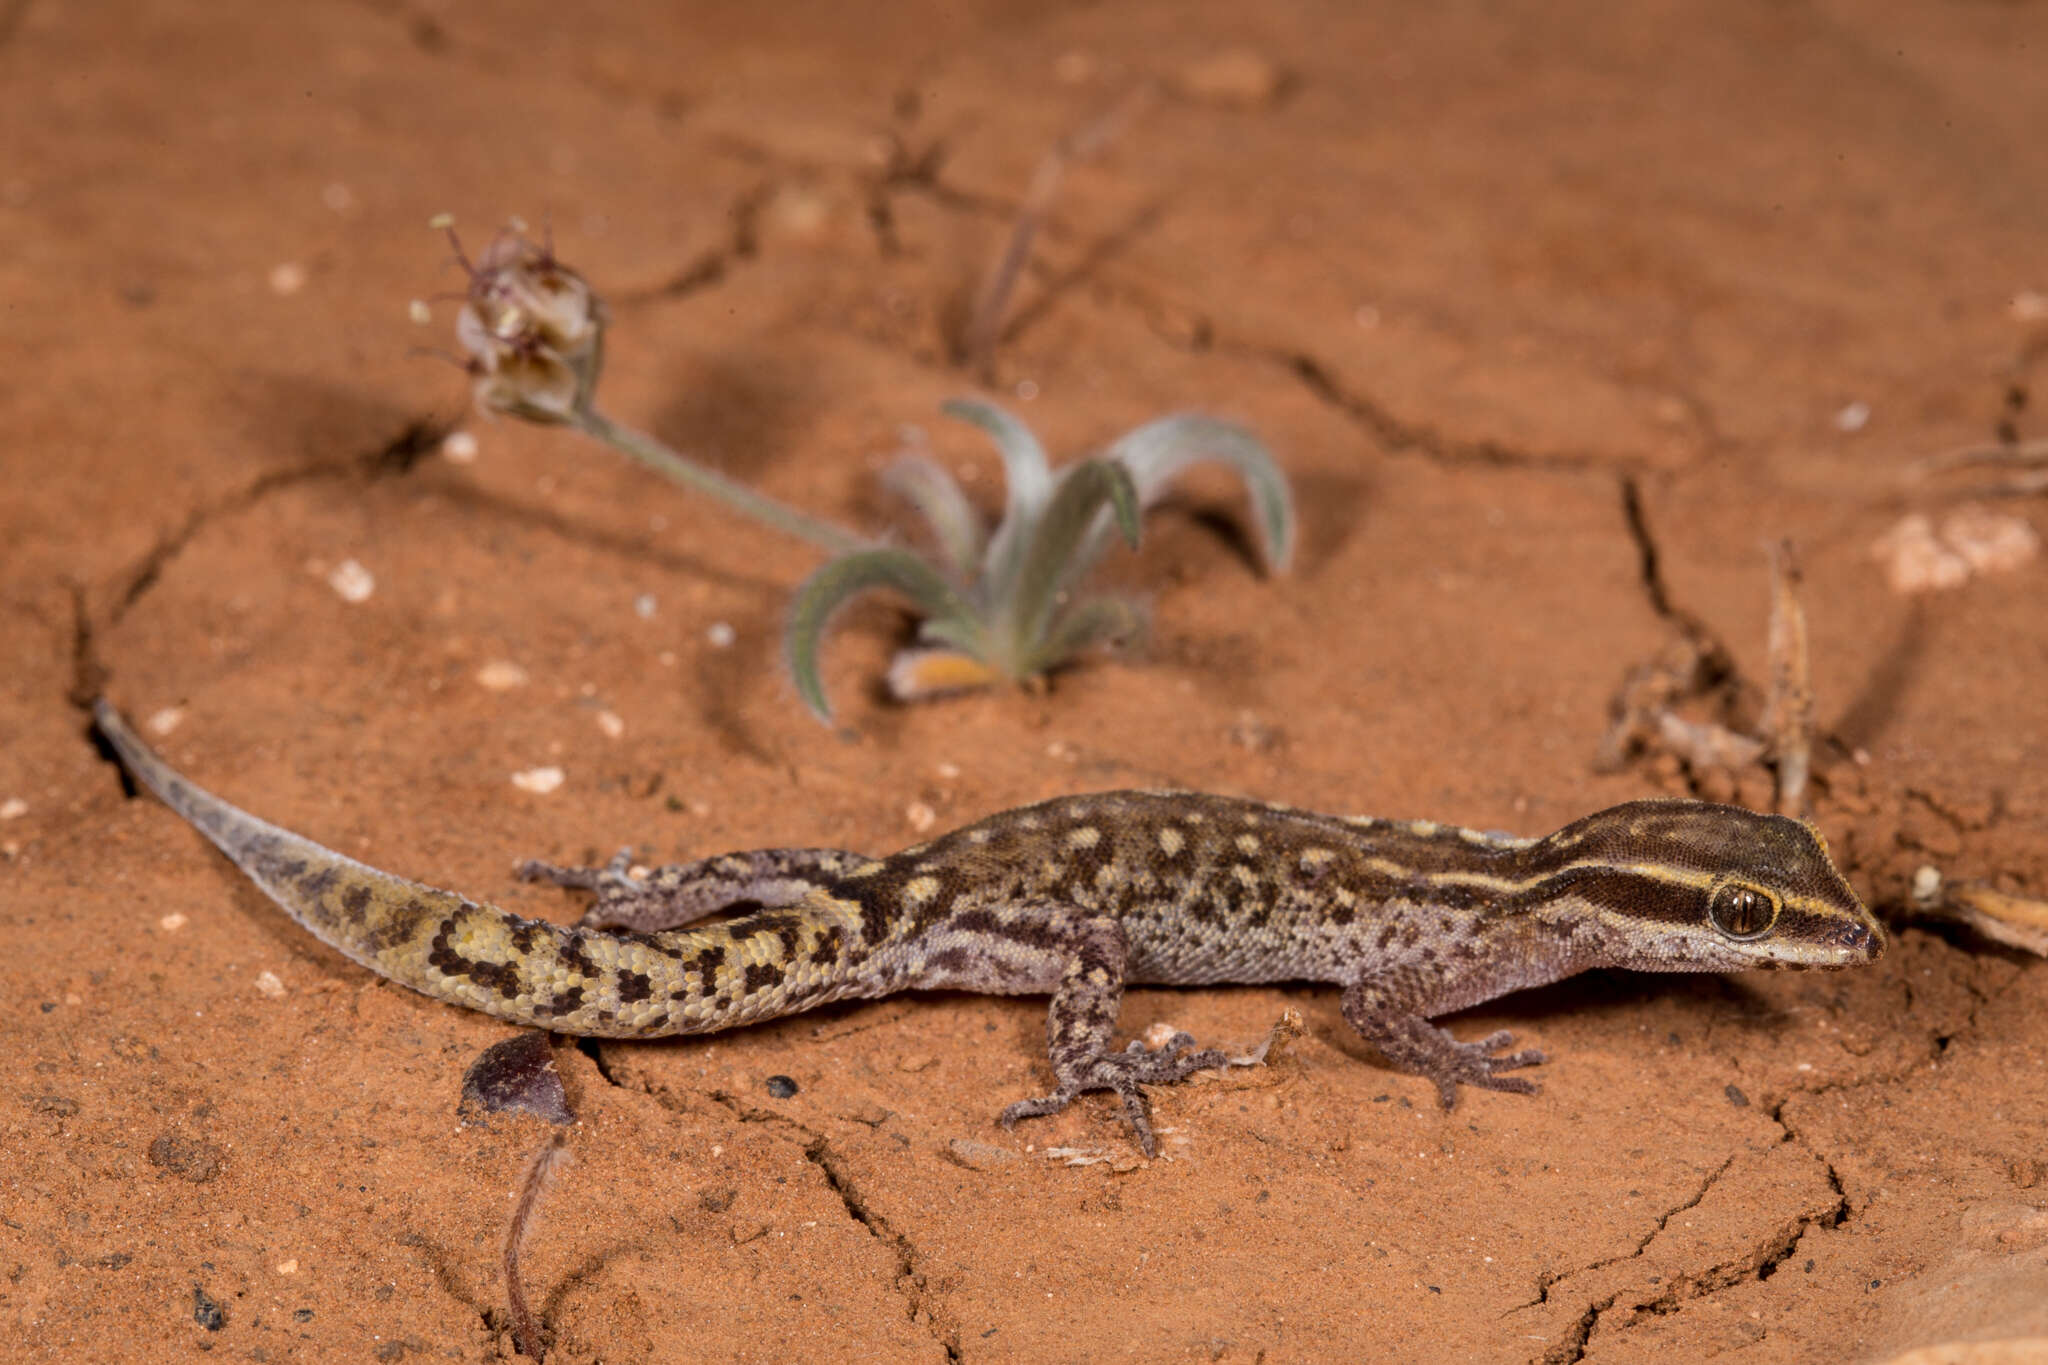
[(979, 1156), (459, 447), (287, 278), (287, 1267), (196, 1160), (1853, 417), (720, 635), (351, 581), (172, 922), (166, 720), (13, 808), (1237, 77), (1926, 884), (917, 1061), (780, 1087), (267, 983), (920, 816), (610, 723), (338, 197), (1735, 1096), (2029, 305), (539, 781), (501, 675), (718, 1200), (206, 1310), (643, 606)]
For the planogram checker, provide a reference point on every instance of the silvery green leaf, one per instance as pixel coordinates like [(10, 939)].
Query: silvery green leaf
[(1027, 480), (841, 580), (1086, 494), (1158, 451), (1094, 621), (954, 523)]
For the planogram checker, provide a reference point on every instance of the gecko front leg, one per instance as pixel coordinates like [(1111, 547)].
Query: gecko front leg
[(677, 894), (1380, 1006), (1082, 1020)]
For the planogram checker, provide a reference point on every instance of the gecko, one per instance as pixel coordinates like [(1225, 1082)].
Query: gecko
[(1081, 896)]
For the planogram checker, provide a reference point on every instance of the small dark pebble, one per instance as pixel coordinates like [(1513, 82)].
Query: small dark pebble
[(191, 1158), (302, 1315), (517, 1076), (1736, 1097), (1809, 1267), (719, 1200), (49, 1005), (781, 1087), (206, 1312)]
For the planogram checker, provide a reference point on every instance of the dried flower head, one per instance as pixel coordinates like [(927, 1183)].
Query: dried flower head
[(533, 331)]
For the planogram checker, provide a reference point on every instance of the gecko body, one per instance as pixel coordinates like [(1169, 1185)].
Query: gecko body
[(1077, 898)]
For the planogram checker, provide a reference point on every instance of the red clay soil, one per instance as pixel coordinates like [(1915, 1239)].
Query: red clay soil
[(1470, 270)]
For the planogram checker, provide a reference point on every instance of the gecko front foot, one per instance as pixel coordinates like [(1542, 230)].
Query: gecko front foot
[(1434, 1053), (1124, 1072)]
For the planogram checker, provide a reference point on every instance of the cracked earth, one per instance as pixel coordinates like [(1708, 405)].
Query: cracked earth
[(1555, 317)]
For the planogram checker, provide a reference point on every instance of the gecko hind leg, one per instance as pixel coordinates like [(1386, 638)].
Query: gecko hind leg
[(677, 894), (1079, 1026)]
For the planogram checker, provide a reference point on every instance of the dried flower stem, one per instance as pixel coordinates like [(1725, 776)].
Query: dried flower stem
[(540, 1175), (1788, 721), (978, 343), (658, 457)]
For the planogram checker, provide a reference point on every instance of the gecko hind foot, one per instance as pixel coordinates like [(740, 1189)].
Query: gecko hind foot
[(1124, 1072), (613, 884)]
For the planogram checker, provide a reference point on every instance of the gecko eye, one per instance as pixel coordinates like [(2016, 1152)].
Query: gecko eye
[(1742, 911)]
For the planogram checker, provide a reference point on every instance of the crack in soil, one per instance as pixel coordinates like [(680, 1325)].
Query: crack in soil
[(1761, 1263), (1546, 1280), (910, 1279), (394, 457)]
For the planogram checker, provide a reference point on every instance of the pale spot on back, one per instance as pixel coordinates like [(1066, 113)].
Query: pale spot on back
[(1170, 841), (1086, 836), (918, 890)]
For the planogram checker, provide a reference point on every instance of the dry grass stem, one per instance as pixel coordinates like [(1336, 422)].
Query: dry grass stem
[(991, 306), (1788, 717), (541, 1171)]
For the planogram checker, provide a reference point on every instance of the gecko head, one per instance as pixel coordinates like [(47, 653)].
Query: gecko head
[(1706, 887)]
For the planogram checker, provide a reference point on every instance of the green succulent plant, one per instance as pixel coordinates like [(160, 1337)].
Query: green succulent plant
[(1006, 604)]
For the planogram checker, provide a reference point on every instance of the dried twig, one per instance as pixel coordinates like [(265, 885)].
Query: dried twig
[(1788, 717), (978, 342), (540, 1175)]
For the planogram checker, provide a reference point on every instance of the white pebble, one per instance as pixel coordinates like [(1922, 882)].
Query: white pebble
[(949, 771), (643, 606), (539, 781), (268, 984), (720, 635), (288, 278), (1853, 416), (13, 808), (459, 446), (172, 923), (920, 816), (2029, 305), (417, 311), (611, 724), (1926, 883), (166, 720), (351, 581), (501, 675)]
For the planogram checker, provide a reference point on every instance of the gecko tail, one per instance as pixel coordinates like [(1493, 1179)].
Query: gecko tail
[(575, 979)]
